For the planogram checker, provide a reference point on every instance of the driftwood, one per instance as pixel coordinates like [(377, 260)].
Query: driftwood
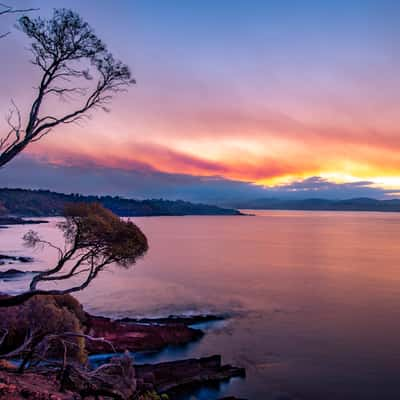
[(35, 348), (115, 379)]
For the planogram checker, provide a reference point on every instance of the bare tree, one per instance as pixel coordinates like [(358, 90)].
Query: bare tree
[(95, 238), (6, 9), (69, 55)]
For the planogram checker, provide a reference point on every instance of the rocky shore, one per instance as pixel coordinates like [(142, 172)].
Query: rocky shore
[(135, 336), (119, 374), (177, 319), (4, 221), (119, 336), (180, 376), (7, 259), (121, 379), (147, 334)]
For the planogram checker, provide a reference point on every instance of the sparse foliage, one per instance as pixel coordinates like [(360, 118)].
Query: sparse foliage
[(74, 64), (6, 9), (95, 238), (30, 329)]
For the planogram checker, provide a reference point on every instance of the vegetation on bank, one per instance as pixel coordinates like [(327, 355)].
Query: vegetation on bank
[(28, 330), (44, 203)]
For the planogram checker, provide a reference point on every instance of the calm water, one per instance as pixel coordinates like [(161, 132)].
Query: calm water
[(314, 297)]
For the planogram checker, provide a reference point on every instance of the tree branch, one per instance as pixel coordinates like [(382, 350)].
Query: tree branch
[(58, 45)]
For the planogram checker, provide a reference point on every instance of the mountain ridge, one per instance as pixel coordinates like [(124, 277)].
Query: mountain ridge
[(321, 204)]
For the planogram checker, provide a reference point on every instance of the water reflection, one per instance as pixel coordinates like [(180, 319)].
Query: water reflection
[(314, 296)]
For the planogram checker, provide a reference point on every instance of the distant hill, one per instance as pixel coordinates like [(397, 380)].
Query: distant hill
[(357, 204), (43, 203)]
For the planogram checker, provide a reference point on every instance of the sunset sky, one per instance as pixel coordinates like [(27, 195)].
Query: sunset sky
[(279, 93)]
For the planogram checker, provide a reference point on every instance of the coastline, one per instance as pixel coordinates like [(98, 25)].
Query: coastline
[(132, 335), (119, 339)]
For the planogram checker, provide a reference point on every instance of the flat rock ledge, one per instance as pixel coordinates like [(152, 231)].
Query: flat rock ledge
[(11, 274), (121, 379), (136, 336), (176, 319), (124, 336), (4, 221), (4, 259), (185, 375)]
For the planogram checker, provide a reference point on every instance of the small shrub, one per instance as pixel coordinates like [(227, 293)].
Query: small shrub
[(47, 315)]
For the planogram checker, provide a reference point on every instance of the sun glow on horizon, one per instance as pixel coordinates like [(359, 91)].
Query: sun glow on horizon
[(263, 105)]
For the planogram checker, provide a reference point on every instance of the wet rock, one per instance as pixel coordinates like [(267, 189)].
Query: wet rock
[(176, 319), (230, 398), (136, 337), (19, 221), (10, 259), (11, 274), (186, 375)]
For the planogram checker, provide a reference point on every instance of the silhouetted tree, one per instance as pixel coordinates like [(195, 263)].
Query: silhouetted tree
[(95, 238), (6, 9), (68, 54)]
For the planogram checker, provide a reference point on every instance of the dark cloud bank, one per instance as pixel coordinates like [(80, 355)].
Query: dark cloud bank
[(142, 183)]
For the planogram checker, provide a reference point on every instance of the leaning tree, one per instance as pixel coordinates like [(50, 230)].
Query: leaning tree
[(95, 239), (74, 64)]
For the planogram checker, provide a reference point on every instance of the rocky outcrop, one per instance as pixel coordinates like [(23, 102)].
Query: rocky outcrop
[(135, 336), (185, 375), (169, 377), (19, 221), (177, 319), (118, 379), (6, 259), (12, 274)]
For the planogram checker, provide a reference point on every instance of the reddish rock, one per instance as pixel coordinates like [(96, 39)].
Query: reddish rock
[(33, 386), (135, 336)]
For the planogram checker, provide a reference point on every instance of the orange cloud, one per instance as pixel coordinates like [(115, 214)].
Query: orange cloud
[(244, 140)]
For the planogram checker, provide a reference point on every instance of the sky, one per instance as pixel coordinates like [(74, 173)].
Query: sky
[(234, 99)]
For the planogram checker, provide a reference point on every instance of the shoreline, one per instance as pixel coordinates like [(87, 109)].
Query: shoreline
[(120, 338), (6, 221), (142, 334), (178, 377)]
